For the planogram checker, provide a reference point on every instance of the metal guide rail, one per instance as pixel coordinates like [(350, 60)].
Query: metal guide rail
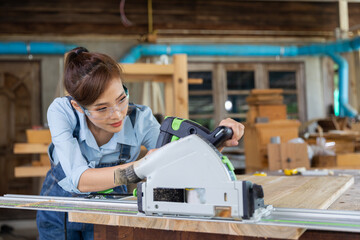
[(68, 204), (330, 220)]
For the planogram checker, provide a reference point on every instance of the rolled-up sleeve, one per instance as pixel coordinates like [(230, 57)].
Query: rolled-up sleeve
[(67, 152)]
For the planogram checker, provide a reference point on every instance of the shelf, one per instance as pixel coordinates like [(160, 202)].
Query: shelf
[(30, 148), (31, 171)]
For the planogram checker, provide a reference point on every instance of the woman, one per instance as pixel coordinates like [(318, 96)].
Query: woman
[(94, 132)]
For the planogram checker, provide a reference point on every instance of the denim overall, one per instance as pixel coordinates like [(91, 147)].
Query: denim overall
[(55, 225)]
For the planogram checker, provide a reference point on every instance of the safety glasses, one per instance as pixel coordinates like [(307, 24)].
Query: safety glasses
[(106, 112)]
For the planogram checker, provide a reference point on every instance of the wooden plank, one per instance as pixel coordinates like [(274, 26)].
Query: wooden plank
[(350, 200), (219, 89), (195, 81), (147, 68), (344, 18), (102, 232), (31, 171), (180, 85), (38, 136), (273, 91), (169, 100), (26, 148), (299, 192), (349, 160)]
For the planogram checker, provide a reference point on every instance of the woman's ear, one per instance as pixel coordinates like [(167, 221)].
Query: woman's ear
[(76, 106)]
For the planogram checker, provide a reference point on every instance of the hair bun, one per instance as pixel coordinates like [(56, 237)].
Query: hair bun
[(80, 50)]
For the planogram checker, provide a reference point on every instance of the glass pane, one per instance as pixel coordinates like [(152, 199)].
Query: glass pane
[(209, 123), (291, 102), (236, 104), (282, 79), (207, 83), (240, 80), (201, 104)]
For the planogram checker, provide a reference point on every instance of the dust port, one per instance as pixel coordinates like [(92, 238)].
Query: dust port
[(192, 130)]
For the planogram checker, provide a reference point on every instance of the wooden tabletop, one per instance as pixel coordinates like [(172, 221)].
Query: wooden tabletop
[(350, 199), (280, 191)]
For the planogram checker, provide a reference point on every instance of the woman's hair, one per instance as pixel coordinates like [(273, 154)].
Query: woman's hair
[(88, 74)]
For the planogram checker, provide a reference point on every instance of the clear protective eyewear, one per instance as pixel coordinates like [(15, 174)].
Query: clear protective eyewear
[(107, 112)]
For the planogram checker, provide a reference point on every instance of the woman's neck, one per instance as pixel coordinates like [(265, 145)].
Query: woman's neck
[(102, 137)]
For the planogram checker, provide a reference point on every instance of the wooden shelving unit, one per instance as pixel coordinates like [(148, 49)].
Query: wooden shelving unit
[(38, 142)]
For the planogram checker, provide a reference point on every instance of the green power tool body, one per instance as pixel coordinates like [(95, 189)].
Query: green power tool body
[(174, 128)]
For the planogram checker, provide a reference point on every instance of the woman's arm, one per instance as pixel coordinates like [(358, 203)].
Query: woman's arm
[(98, 179)]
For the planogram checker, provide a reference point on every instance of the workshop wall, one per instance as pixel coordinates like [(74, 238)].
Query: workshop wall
[(51, 71)]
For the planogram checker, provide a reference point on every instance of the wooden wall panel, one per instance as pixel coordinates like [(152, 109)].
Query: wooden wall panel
[(354, 14), (19, 109), (103, 17)]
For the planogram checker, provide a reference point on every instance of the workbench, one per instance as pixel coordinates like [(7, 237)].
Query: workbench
[(333, 192)]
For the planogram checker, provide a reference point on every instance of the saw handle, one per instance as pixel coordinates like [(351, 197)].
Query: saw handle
[(185, 128), (220, 135)]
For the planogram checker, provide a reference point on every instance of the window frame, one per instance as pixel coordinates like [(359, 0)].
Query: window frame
[(261, 73)]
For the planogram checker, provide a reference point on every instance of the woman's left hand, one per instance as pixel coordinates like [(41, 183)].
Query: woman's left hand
[(238, 131), (151, 151)]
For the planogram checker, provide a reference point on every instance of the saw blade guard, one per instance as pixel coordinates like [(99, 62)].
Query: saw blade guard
[(190, 177)]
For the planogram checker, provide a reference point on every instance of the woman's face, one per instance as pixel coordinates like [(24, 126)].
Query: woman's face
[(110, 109)]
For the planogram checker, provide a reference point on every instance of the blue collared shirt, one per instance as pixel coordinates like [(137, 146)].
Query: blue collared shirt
[(78, 155)]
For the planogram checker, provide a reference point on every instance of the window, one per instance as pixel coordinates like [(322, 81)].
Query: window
[(239, 84), (201, 106), (226, 86)]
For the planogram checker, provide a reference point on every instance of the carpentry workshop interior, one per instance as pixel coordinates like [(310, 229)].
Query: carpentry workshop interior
[(155, 119)]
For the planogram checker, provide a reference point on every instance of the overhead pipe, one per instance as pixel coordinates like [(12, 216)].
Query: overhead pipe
[(345, 109), (34, 48), (329, 49), (240, 50)]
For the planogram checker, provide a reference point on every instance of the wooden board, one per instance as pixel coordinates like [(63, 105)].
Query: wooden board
[(350, 200), (31, 171), (151, 69), (272, 91), (349, 160), (26, 148), (38, 136), (299, 192)]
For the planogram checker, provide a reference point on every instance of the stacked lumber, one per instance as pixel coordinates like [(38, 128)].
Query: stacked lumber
[(265, 97), (38, 141), (266, 104)]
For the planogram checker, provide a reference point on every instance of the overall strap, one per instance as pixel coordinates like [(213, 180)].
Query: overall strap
[(124, 152), (77, 127), (124, 148), (132, 113)]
